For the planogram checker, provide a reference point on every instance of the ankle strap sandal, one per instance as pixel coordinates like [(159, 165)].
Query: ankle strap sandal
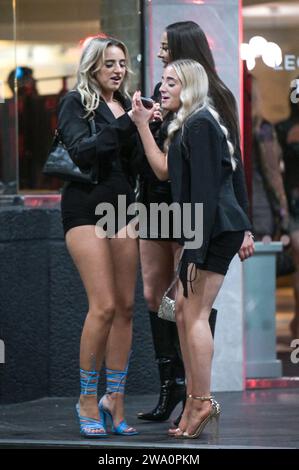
[(213, 415), (90, 427), (115, 383), (116, 380), (209, 398)]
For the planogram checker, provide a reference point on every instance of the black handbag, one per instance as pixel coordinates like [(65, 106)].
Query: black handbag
[(60, 164)]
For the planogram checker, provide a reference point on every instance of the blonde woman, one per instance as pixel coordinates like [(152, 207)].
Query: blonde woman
[(180, 40), (199, 160), (106, 263)]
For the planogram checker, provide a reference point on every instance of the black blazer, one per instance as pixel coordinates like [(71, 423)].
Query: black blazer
[(114, 138), (238, 175), (200, 171)]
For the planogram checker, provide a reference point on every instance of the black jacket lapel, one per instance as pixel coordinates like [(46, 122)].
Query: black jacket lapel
[(104, 112)]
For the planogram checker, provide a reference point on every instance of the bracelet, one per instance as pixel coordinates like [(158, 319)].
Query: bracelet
[(249, 234)]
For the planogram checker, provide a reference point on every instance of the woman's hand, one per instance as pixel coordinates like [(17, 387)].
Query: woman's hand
[(157, 113), (140, 115), (247, 248)]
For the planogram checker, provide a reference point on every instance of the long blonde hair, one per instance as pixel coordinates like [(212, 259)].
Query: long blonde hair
[(194, 97), (92, 59)]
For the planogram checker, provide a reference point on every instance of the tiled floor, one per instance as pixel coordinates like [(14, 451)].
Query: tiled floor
[(251, 419)]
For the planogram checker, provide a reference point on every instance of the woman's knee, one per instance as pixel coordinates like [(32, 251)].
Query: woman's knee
[(125, 310), (152, 298), (103, 313)]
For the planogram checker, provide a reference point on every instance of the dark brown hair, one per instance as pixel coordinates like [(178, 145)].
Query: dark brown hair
[(186, 40)]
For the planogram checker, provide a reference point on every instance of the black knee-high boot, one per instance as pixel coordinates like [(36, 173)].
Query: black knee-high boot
[(171, 370), (212, 320), (171, 367)]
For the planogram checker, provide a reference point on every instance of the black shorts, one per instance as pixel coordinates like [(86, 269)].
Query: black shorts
[(220, 253), (156, 192), (79, 202)]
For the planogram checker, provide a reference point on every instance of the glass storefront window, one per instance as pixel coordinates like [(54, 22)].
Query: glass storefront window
[(271, 94), (40, 46), (8, 102)]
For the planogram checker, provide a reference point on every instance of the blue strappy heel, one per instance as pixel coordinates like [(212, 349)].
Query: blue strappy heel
[(90, 427), (116, 383)]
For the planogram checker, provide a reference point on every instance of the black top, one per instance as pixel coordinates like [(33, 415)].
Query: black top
[(200, 171), (111, 146)]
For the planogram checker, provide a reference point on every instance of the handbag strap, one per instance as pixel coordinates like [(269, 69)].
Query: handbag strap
[(176, 274), (92, 126), (57, 134)]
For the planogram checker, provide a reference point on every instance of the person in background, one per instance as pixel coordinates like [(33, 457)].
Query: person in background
[(288, 135), (22, 81), (180, 40), (270, 214)]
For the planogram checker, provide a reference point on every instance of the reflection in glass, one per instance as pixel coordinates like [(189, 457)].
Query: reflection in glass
[(38, 67), (8, 108)]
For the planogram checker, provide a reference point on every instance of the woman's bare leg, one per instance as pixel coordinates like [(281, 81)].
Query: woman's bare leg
[(180, 321), (157, 264), (125, 260), (93, 259), (196, 310)]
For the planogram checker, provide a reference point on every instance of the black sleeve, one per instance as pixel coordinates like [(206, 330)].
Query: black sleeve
[(75, 130), (205, 157), (132, 158), (144, 168), (239, 182)]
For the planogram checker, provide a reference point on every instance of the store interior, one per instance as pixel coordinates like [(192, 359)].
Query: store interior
[(275, 74)]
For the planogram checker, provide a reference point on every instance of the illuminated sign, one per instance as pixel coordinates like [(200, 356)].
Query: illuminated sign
[(290, 62)]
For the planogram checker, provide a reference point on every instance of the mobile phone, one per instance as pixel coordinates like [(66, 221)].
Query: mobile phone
[(148, 103)]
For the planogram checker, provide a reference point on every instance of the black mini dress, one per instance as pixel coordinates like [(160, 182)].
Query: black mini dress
[(110, 148), (80, 200)]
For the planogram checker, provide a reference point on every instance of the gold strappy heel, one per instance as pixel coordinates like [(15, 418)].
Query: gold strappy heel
[(173, 432), (213, 415)]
